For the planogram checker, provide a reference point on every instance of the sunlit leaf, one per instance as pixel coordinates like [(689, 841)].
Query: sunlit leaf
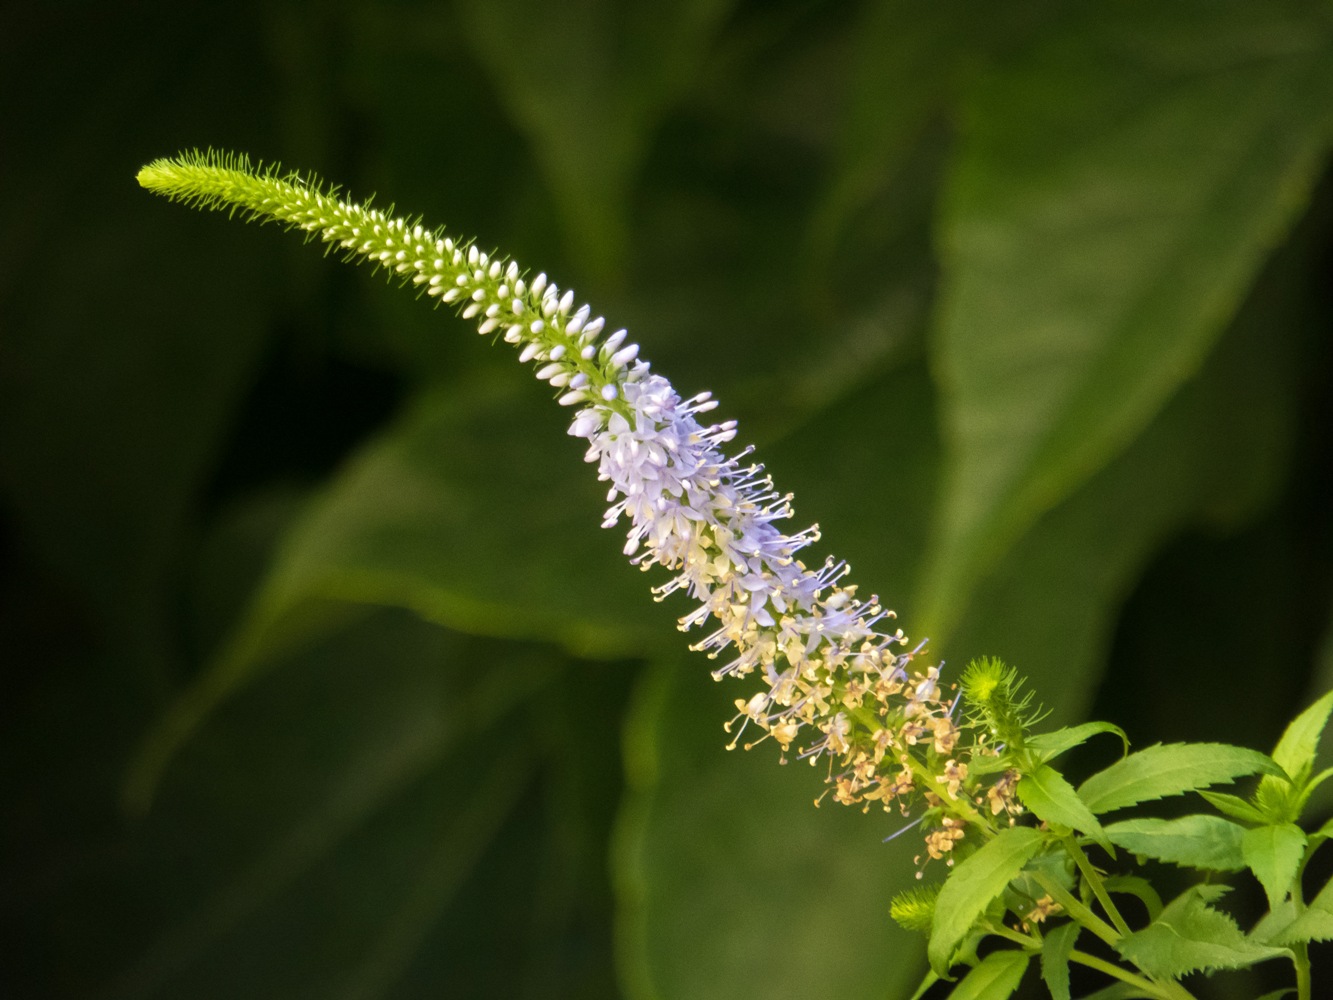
[(994, 978), (1171, 769), (1190, 935), (974, 884), (1207, 842), (1117, 189)]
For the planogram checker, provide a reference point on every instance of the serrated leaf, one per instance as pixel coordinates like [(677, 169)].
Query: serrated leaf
[(1073, 306), (1206, 842), (1052, 799), (973, 885), (1274, 855), (1234, 806), (1170, 769), (1295, 754), (1050, 745), (1191, 936), (1295, 751), (1273, 924), (1315, 924), (1055, 949), (995, 978)]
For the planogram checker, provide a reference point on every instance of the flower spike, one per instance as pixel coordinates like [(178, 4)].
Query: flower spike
[(835, 680)]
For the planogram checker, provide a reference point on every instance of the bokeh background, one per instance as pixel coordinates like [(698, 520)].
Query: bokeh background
[(320, 679)]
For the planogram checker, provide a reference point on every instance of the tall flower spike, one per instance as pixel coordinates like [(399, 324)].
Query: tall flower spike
[(836, 682)]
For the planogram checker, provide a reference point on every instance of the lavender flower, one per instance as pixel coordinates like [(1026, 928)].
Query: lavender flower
[(836, 682)]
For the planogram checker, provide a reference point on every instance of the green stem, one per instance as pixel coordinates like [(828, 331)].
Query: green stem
[(1301, 960), (1094, 880), (1025, 941), (1301, 950), (1166, 991), (1077, 910)]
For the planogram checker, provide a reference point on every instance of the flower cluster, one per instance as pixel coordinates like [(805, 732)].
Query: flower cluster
[(837, 683)]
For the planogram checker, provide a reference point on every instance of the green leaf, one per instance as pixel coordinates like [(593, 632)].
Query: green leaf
[(1052, 799), (1274, 854), (1273, 925), (434, 515), (1235, 807), (1206, 842), (1324, 832), (1055, 948), (330, 825), (1191, 936), (1295, 751), (1315, 924), (589, 90), (1073, 305), (973, 885), (904, 59), (1050, 745), (995, 978), (1169, 769), (1051, 603)]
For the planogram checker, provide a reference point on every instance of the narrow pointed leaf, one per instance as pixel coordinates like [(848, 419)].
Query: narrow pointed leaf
[(995, 978), (1235, 807), (1170, 769), (1191, 936), (1295, 751), (1050, 745), (1207, 842), (972, 886), (1052, 799), (1055, 949)]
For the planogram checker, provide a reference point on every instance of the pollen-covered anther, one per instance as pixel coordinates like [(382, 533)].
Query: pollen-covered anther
[(942, 840)]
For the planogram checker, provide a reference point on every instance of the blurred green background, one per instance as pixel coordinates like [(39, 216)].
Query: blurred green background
[(320, 679)]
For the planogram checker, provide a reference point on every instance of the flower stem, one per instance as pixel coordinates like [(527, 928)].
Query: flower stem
[(1094, 880), (1166, 991), (1077, 909)]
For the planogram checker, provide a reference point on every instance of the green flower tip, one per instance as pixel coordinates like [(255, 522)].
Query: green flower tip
[(185, 172), (914, 909), (993, 691), (985, 680)]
